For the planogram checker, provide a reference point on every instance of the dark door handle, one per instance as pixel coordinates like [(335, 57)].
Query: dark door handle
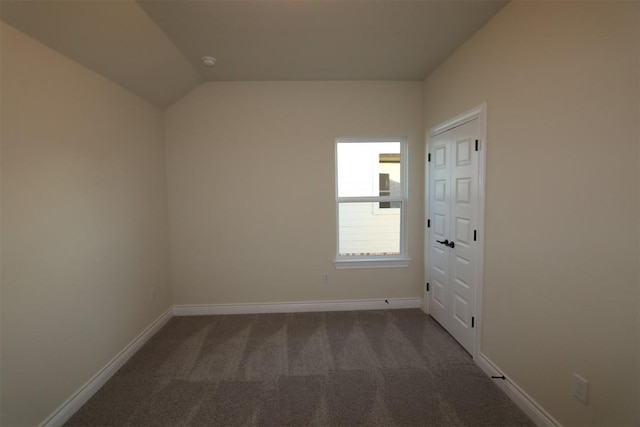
[(446, 242)]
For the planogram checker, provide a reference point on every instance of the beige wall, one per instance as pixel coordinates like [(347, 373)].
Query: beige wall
[(84, 236), (251, 203), (252, 196), (561, 250)]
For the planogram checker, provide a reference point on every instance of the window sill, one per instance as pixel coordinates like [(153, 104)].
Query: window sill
[(343, 264)]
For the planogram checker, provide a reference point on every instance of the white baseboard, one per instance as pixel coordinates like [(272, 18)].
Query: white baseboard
[(80, 397), (294, 307), (525, 402)]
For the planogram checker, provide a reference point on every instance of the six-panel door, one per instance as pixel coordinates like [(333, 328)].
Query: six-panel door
[(453, 195)]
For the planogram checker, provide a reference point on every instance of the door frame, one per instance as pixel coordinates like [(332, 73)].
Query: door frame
[(480, 113)]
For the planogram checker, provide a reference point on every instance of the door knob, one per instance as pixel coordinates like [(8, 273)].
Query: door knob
[(446, 242)]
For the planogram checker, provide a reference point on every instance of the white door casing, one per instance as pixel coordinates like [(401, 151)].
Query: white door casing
[(455, 209)]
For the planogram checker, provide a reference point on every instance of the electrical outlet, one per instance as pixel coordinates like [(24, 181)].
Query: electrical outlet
[(153, 294), (325, 278), (580, 388)]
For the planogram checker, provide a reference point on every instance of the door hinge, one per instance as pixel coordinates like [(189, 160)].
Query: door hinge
[(428, 223), (477, 142), (427, 286), (428, 157), (473, 322), (475, 235)]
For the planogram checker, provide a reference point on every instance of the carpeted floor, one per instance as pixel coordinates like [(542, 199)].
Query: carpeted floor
[(378, 368)]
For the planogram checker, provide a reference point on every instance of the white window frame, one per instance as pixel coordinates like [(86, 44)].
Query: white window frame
[(386, 261)]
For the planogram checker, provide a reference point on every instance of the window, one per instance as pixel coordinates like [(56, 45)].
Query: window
[(371, 202)]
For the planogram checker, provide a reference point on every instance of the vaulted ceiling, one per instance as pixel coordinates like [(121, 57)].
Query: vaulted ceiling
[(153, 47)]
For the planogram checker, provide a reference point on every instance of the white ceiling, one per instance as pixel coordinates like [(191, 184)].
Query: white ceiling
[(152, 47)]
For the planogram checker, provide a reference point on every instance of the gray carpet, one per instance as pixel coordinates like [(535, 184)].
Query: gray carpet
[(378, 368)]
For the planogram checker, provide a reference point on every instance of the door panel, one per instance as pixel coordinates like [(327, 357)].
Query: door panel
[(461, 311), (438, 294), (463, 152), (440, 157), (463, 191), (463, 231), (453, 195), (439, 202)]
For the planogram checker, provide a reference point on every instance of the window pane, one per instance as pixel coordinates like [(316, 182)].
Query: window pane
[(385, 190), (361, 164), (363, 233)]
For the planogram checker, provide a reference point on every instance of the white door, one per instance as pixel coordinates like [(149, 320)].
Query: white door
[(452, 245)]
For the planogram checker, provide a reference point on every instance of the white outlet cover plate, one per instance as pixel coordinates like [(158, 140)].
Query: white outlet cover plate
[(580, 388)]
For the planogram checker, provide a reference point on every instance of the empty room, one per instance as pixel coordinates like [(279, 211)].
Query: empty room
[(319, 212)]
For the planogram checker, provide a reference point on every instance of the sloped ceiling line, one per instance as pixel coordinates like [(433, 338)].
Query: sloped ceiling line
[(152, 48)]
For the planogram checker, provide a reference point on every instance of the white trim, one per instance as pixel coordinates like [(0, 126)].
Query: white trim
[(366, 139), (84, 393), (373, 262), (371, 199), (480, 113), (295, 307), (482, 167), (459, 120), (525, 402), (426, 234), (358, 263)]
